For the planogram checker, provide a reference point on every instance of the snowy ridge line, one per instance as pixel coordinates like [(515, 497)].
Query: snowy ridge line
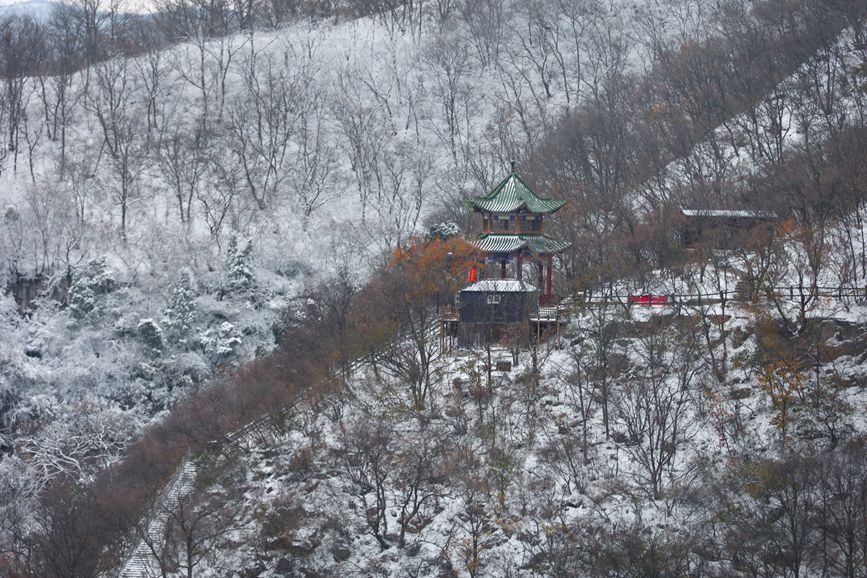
[(137, 561)]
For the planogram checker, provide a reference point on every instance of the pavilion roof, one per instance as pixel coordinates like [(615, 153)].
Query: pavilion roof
[(513, 194), (500, 286), (497, 243), (734, 213)]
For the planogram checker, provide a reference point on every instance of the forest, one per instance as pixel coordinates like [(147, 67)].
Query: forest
[(229, 228)]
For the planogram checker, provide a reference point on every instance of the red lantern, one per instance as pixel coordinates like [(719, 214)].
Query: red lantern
[(474, 274)]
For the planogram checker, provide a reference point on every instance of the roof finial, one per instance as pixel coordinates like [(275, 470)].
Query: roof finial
[(513, 167)]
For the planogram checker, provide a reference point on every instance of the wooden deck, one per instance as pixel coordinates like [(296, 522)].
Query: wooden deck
[(548, 314)]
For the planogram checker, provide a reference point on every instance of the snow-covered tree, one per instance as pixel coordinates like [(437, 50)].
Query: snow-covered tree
[(443, 231), (290, 316), (151, 335), (221, 344), (238, 262), (181, 311), (91, 282)]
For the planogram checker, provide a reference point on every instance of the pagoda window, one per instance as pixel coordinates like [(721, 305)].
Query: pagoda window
[(532, 223), (502, 223)]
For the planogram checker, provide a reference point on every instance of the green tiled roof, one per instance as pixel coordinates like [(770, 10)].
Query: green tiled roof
[(494, 243), (512, 194)]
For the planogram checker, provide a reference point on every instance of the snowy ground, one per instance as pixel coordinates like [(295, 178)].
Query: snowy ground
[(510, 468)]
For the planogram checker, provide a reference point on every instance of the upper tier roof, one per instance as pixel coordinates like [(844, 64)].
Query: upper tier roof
[(512, 194)]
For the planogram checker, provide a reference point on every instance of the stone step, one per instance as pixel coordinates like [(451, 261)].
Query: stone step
[(141, 564)]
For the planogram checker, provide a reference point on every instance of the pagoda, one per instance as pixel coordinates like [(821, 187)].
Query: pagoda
[(513, 232)]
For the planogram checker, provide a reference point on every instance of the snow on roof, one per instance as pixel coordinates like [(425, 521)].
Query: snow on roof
[(728, 213), (500, 286), (512, 194), (497, 243)]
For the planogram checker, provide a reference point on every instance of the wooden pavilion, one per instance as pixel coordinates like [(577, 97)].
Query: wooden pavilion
[(512, 285), (513, 232)]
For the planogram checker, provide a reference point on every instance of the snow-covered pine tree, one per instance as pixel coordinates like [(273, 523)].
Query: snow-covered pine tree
[(443, 231), (151, 335), (91, 281), (220, 344), (238, 262), (181, 311)]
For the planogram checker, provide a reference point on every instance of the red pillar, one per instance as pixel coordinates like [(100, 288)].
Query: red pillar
[(548, 276), (503, 269)]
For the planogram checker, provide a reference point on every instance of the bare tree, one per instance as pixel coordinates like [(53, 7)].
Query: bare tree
[(59, 91), (367, 456), (417, 473), (112, 101), (450, 66), (22, 52), (771, 531), (184, 161), (101, 25), (211, 49), (444, 12), (39, 237), (485, 21), (362, 128), (602, 368), (576, 17), (403, 177), (397, 16), (475, 521), (153, 72), (194, 527), (654, 406), (217, 200), (262, 123), (316, 161), (801, 271), (843, 510)]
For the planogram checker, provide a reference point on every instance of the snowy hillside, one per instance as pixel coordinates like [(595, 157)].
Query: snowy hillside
[(203, 218), (626, 443), (324, 143)]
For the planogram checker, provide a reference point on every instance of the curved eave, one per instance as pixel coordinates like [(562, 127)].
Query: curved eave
[(509, 244), (510, 206)]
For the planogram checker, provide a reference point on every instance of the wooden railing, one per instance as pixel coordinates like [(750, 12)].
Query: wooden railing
[(782, 292)]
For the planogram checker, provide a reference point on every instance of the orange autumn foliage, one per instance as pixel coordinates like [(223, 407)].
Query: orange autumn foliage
[(435, 266)]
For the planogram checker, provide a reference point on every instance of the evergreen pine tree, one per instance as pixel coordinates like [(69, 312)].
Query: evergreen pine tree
[(443, 231), (181, 311), (151, 335), (238, 262), (91, 281)]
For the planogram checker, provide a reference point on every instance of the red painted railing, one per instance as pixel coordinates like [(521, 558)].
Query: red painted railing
[(648, 300)]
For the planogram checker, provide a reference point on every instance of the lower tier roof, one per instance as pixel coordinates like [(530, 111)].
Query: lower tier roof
[(497, 243)]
